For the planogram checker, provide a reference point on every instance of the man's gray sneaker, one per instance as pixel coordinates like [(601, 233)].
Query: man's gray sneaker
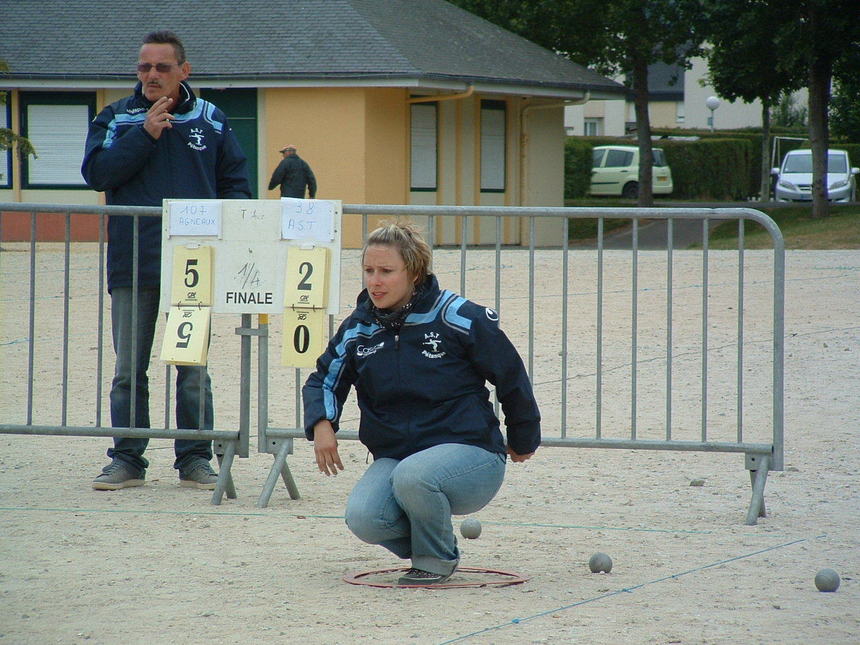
[(198, 475), (118, 474)]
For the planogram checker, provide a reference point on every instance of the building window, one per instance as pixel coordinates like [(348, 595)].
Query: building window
[(56, 124), (679, 112), (424, 146), (493, 129), (5, 155), (593, 127)]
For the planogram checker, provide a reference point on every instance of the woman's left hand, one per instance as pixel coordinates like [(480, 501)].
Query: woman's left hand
[(517, 457), (325, 448)]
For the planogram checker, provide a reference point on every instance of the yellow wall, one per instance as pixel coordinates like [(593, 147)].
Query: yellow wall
[(663, 114), (544, 169), (327, 127), (353, 138), (387, 146)]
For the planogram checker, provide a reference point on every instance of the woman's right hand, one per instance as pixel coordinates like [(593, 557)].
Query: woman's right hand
[(325, 448)]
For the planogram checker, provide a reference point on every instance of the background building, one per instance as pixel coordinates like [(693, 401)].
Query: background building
[(393, 102), (677, 101)]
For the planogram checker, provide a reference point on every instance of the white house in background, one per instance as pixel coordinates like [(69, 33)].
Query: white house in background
[(677, 101)]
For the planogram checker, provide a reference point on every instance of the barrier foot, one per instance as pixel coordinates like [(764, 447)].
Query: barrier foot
[(278, 468), (759, 479), (753, 475), (225, 479), (289, 482)]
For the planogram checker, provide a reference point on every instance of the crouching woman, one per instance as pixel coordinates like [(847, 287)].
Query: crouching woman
[(420, 358)]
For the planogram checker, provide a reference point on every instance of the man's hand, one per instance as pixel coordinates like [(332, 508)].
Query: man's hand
[(519, 458), (325, 448), (159, 118)]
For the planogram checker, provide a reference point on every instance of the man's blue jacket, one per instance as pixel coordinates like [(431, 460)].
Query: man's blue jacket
[(198, 158), (426, 384)]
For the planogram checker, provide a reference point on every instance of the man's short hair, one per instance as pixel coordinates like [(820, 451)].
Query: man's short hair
[(166, 37)]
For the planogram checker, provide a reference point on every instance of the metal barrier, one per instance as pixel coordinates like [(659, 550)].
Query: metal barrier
[(41, 397), (602, 357), (543, 339)]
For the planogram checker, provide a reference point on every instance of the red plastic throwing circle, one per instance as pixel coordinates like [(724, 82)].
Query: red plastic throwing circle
[(503, 579)]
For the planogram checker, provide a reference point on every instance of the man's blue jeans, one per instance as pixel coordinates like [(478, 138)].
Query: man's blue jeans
[(406, 505), (187, 384)]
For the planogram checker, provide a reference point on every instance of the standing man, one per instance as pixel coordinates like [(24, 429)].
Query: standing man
[(161, 142), (293, 174)]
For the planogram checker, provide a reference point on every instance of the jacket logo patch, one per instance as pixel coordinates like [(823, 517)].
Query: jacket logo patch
[(197, 135), (361, 351), (491, 314), (432, 341)]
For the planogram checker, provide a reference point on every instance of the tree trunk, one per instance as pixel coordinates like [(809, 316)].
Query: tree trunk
[(820, 77), (643, 130), (766, 178)]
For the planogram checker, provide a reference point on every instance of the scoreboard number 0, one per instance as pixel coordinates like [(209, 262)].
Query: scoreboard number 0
[(304, 335)]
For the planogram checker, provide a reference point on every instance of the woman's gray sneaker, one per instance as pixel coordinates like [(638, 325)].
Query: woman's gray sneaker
[(420, 577)]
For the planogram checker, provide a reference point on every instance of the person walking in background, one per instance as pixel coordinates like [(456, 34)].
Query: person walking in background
[(419, 358), (293, 174), (161, 142)]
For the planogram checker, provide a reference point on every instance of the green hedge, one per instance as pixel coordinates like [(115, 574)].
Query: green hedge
[(753, 136), (719, 165), (704, 169), (711, 168), (853, 150), (577, 167)]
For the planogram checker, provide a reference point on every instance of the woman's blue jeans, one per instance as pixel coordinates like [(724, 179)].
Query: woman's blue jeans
[(188, 380), (406, 505)]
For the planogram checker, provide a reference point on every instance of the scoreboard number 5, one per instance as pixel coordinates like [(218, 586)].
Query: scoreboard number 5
[(192, 276), (186, 336), (304, 333)]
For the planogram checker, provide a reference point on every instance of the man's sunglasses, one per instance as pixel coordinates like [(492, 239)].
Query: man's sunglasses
[(161, 68)]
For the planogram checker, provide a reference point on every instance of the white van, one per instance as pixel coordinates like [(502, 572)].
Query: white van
[(615, 171), (794, 177)]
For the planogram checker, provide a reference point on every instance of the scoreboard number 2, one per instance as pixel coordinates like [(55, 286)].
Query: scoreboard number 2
[(306, 284)]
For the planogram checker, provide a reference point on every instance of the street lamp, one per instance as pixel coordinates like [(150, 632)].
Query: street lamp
[(712, 103)]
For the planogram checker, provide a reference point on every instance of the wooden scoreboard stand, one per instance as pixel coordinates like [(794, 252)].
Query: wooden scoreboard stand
[(247, 257), (250, 257)]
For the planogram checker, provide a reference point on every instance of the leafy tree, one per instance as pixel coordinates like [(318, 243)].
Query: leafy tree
[(613, 37), (739, 35), (8, 138), (817, 37), (826, 34), (845, 110), (787, 114), (845, 104)]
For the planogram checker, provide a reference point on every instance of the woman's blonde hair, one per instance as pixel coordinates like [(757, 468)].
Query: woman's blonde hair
[(404, 236)]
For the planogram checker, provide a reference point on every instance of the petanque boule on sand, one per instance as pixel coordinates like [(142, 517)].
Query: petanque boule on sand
[(470, 528), (827, 580), (600, 563)]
